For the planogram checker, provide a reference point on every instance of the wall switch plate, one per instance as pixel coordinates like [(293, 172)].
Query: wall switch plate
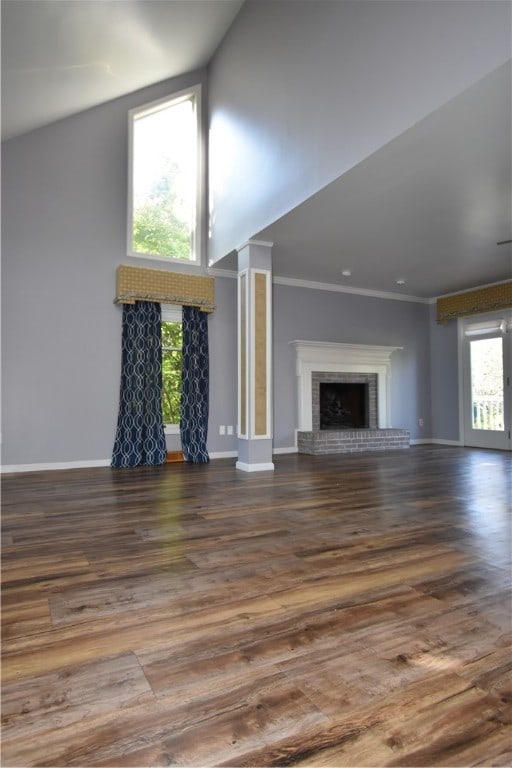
[(230, 429), (222, 429), (420, 422)]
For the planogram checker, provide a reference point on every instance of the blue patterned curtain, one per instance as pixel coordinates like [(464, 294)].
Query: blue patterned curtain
[(140, 437), (195, 386)]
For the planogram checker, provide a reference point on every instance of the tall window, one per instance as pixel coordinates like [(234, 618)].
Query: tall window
[(164, 179), (172, 340)]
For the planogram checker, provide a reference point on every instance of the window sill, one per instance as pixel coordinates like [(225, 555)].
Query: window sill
[(172, 429)]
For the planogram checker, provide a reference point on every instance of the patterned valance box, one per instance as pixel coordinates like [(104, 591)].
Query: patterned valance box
[(164, 287), (474, 302)]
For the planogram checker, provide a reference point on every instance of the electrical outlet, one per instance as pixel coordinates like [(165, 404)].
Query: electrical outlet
[(230, 429), (420, 422), (222, 429)]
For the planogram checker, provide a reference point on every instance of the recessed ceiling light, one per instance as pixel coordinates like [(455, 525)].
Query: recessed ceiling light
[(400, 281), (346, 273)]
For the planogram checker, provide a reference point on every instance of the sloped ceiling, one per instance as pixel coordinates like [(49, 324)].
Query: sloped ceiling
[(60, 57)]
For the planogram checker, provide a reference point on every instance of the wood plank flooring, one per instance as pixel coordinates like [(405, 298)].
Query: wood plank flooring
[(340, 611)]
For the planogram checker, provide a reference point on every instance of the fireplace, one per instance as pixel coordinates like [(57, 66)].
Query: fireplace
[(342, 392), (343, 405), (353, 383)]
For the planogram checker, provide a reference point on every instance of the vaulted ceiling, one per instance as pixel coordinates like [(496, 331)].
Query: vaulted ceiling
[(63, 56), (428, 208)]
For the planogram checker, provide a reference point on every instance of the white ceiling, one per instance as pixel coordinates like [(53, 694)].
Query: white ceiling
[(428, 208)]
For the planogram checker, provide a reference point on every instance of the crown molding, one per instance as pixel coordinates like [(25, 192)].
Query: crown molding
[(296, 283), (291, 281), (216, 272)]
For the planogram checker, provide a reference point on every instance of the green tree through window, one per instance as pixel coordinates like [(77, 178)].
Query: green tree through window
[(156, 227), (172, 339)]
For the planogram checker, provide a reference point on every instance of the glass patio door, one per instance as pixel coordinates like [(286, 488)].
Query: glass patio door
[(487, 381)]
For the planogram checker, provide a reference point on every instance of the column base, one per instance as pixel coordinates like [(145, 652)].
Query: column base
[(254, 455), (254, 467)]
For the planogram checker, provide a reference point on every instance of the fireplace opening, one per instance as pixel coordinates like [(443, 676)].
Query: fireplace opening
[(344, 405)]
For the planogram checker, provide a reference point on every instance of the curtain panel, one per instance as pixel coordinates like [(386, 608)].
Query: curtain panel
[(140, 437), (195, 386)]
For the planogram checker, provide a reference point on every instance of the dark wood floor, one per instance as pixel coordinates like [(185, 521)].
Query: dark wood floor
[(341, 611)]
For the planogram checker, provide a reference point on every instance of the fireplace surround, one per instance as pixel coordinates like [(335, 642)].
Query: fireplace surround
[(330, 363)]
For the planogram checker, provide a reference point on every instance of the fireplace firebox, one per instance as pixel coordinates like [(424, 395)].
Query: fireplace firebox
[(344, 400), (344, 405)]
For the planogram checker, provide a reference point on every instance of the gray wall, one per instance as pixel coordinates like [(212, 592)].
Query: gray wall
[(444, 379), (300, 92), (307, 314), (64, 219)]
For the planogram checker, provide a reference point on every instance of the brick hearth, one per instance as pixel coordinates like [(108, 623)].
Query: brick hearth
[(324, 441)]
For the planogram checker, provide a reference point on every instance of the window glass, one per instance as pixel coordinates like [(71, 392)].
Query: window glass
[(163, 194), (172, 340), (487, 401)]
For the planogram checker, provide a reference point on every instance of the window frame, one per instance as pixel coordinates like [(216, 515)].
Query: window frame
[(171, 313), (194, 93)]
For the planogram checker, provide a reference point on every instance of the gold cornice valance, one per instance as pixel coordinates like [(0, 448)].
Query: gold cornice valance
[(165, 287), (474, 302)]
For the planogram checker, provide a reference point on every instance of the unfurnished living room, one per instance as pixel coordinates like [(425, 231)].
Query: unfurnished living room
[(256, 382)]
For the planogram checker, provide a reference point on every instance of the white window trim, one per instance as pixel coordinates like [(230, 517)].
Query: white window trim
[(197, 240), (172, 313)]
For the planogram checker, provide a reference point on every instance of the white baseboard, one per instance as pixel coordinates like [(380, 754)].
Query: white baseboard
[(8, 468), (254, 467), (13, 468), (223, 454), (434, 441)]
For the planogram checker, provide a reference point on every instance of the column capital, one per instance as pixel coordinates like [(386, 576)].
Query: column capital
[(263, 243), (255, 254)]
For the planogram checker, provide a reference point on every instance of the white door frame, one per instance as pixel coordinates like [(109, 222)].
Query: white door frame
[(464, 369)]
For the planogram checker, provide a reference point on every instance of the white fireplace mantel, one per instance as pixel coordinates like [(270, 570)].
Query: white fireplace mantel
[(331, 357)]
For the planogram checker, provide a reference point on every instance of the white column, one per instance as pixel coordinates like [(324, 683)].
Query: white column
[(255, 356)]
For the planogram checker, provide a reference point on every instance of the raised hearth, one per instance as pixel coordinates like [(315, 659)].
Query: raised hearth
[(324, 441)]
